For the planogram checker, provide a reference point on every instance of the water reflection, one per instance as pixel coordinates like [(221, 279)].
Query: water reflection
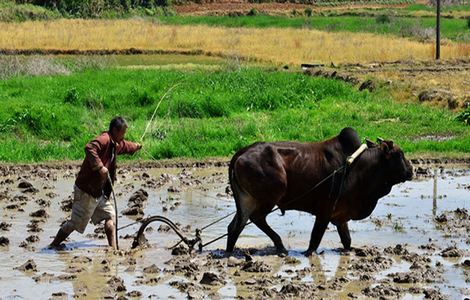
[(413, 204)]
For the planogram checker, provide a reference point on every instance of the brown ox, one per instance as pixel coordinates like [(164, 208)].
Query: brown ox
[(264, 175)]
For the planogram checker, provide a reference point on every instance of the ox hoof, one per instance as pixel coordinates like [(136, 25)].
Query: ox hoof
[(308, 253), (282, 252)]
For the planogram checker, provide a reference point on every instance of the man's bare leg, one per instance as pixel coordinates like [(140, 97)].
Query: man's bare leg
[(110, 233), (60, 237)]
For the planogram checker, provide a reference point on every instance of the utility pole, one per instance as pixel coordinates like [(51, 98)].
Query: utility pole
[(438, 29)]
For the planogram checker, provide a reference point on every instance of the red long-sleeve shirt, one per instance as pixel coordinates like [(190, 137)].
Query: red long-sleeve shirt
[(101, 152)]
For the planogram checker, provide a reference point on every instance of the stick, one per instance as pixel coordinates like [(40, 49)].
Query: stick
[(155, 111), (115, 213), (358, 152)]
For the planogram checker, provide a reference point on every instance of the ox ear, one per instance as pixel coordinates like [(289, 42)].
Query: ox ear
[(370, 144), (386, 147)]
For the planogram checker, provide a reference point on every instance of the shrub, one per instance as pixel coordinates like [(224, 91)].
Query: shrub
[(308, 12), (142, 98), (72, 96), (126, 4), (97, 8), (382, 19), (163, 2), (252, 12), (464, 116), (186, 108)]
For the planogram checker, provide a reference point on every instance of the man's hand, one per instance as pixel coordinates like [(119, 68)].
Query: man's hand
[(103, 171), (139, 146)]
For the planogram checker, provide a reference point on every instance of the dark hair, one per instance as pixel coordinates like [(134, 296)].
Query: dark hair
[(117, 122)]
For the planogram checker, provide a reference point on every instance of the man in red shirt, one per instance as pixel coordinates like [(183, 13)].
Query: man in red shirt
[(92, 187)]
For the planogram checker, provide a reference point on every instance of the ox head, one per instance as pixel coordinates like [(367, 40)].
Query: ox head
[(397, 167)]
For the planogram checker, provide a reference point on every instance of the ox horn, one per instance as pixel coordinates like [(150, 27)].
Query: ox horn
[(380, 140), (370, 143)]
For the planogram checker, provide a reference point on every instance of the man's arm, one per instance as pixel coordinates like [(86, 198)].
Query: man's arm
[(126, 147)]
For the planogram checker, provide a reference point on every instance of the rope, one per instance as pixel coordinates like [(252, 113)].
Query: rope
[(250, 222), (129, 225), (343, 178), (218, 220), (275, 209), (333, 174)]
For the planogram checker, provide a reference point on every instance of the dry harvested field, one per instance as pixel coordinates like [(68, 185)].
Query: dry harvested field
[(442, 83), (273, 45)]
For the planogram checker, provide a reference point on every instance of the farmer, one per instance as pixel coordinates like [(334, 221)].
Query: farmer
[(92, 187)]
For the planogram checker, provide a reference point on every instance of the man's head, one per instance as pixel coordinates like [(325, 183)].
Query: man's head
[(117, 129)]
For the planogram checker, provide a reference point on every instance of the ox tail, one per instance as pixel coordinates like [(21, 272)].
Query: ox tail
[(236, 226), (234, 186), (232, 178)]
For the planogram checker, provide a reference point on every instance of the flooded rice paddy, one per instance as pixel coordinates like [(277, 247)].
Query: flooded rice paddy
[(415, 245)]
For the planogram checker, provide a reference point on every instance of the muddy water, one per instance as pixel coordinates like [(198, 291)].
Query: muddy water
[(405, 218)]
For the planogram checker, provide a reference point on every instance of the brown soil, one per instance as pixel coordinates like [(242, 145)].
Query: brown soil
[(445, 81), (387, 271)]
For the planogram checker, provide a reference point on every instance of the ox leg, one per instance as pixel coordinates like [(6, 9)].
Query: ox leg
[(260, 221), (234, 229), (319, 229), (343, 232)]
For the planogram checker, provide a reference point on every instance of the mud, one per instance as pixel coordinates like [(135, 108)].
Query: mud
[(136, 203), (4, 226), (425, 257), (4, 241), (30, 265)]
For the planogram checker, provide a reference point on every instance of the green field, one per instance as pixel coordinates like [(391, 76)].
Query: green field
[(444, 8), (455, 29), (208, 114)]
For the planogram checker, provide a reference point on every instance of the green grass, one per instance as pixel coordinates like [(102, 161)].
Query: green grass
[(455, 29), (209, 114), (9, 11), (444, 8)]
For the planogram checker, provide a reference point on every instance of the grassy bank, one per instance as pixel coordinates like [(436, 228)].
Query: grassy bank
[(420, 28), (11, 11), (209, 114)]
